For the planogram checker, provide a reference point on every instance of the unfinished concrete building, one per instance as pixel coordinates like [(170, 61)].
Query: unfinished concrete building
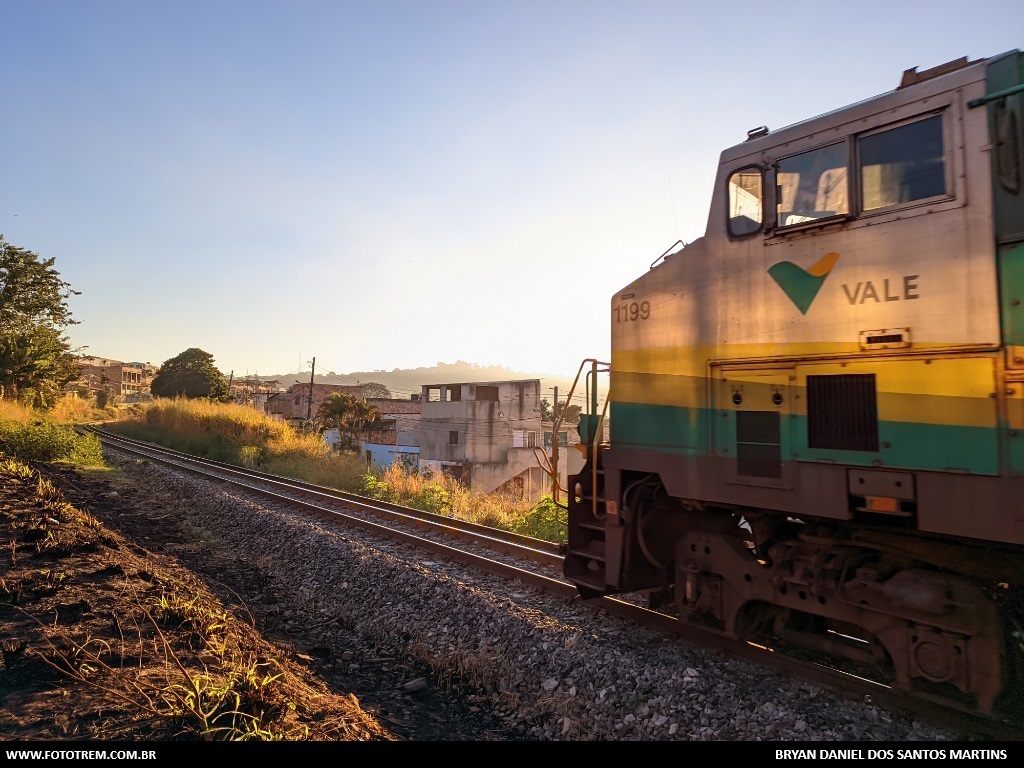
[(485, 434)]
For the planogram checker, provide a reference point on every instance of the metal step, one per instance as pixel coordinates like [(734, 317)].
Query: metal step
[(587, 555), (597, 585)]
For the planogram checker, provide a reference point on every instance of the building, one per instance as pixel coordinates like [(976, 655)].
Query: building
[(568, 434), (301, 402), (254, 391), (122, 382), (487, 435), (397, 439)]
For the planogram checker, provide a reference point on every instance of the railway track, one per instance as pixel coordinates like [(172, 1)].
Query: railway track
[(537, 563)]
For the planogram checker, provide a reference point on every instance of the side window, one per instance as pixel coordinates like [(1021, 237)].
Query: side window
[(813, 185), (1007, 147), (902, 164), (745, 208)]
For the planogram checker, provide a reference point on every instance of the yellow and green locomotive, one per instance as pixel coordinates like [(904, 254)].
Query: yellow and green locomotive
[(815, 422)]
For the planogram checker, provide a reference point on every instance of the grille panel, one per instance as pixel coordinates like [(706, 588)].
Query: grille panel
[(758, 444), (842, 412)]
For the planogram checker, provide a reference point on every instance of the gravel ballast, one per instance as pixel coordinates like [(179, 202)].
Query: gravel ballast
[(546, 668)]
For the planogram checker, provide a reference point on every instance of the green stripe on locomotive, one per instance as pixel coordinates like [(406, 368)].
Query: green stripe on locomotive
[(902, 445)]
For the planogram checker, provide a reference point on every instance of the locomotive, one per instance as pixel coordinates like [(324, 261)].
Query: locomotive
[(814, 425)]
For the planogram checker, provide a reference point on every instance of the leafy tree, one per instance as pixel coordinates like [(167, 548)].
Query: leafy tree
[(335, 408), (36, 360), (375, 389), (347, 413), (103, 396), (571, 412), (364, 415), (35, 364), (17, 364), (191, 374), (31, 290)]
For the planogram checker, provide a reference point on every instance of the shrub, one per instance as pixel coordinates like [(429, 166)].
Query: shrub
[(546, 521), (42, 440), (376, 488), (443, 495), (251, 456), (433, 498)]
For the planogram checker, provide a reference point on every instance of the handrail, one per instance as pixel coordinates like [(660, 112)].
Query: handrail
[(665, 255), (598, 434), (593, 367), (995, 96), (598, 427)]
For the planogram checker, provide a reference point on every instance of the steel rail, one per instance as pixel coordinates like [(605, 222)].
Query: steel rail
[(536, 550)]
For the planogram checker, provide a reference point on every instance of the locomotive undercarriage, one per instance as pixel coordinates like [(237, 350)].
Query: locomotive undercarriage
[(938, 631), (851, 593)]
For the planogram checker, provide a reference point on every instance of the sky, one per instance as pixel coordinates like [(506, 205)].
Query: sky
[(383, 184)]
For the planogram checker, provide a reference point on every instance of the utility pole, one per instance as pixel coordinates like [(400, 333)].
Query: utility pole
[(554, 449), (309, 406)]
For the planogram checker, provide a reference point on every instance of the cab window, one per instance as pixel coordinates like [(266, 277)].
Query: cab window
[(902, 164), (813, 185), (745, 207)]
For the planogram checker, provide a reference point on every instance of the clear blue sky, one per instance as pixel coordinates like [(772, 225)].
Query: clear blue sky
[(391, 184)]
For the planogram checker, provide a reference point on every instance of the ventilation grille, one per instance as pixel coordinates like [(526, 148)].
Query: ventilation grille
[(842, 412), (758, 444)]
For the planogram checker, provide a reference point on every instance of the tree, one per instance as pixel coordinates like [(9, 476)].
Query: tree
[(335, 409), (571, 413), (191, 374), (375, 389), (35, 364), (16, 365), (364, 416), (31, 290), (347, 414), (36, 360)]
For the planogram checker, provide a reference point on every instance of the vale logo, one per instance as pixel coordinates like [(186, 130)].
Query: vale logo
[(802, 285)]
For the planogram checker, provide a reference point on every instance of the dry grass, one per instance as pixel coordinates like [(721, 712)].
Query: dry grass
[(441, 494), (70, 409), (10, 411), (240, 435), (73, 410), (49, 436)]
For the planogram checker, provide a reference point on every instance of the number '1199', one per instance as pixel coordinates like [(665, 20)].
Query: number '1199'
[(632, 311)]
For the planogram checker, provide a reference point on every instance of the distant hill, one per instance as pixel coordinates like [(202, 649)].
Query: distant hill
[(408, 381)]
